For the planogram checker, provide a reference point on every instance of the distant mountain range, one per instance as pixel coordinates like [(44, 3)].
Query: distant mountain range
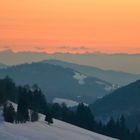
[(116, 77), (119, 62), (56, 81), (125, 100)]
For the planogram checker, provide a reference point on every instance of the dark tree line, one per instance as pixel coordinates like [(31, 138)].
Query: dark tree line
[(84, 118), (31, 100)]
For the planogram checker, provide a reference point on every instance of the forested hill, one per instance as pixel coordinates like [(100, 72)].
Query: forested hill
[(125, 100)]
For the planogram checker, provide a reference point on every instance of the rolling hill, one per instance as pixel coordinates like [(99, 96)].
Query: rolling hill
[(117, 62), (116, 77), (59, 82)]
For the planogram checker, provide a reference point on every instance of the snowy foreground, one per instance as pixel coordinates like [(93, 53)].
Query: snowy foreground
[(41, 131)]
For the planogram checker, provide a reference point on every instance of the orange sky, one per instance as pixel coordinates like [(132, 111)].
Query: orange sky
[(70, 25)]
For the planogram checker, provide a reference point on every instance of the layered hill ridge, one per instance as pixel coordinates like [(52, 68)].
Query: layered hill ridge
[(56, 81), (116, 77)]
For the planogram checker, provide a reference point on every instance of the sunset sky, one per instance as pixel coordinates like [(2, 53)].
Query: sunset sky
[(70, 25)]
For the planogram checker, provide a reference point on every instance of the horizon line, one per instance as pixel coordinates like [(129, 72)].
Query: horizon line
[(68, 52)]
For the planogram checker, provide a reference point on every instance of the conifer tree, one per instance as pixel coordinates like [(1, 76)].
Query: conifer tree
[(85, 117), (49, 118), (34, 116), (22, 111), (111, 127), (9, 113)]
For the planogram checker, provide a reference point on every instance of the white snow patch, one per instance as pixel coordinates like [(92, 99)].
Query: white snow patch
[(80, 77), (69, 103), (107, 87), (100, 97)]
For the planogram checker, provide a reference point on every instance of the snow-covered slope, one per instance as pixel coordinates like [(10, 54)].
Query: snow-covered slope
[(42, 131)]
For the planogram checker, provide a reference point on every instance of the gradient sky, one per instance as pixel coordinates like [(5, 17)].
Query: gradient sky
[(70, 25)]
